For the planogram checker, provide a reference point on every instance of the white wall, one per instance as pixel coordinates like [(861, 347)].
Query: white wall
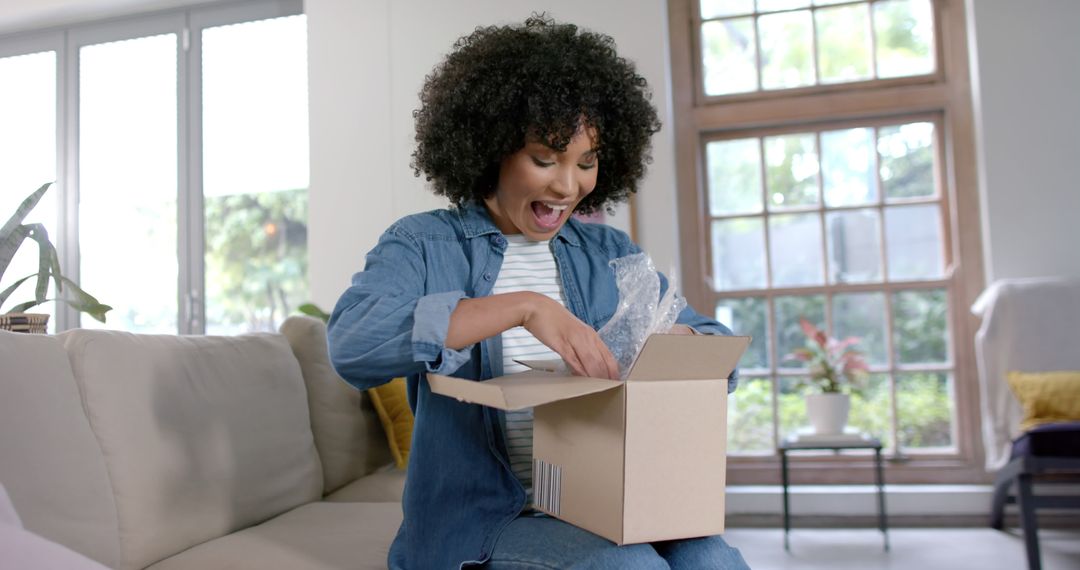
[(368, 60), (1026, 83)]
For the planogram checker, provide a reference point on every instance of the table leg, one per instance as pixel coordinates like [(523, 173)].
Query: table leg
[(882, 523), (787, 514)]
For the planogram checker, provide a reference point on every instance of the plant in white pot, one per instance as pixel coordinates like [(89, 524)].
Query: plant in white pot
[(12, 235), (836, 369)]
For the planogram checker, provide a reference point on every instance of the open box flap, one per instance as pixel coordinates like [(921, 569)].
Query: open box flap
[(517, 391), (688, 357)]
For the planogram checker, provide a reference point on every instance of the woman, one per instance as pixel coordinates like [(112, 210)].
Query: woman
[(519, 127)]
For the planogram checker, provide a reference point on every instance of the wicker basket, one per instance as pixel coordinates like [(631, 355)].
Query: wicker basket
[(35, 323)]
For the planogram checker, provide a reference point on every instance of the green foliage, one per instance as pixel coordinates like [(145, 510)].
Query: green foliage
[(920, 326), (256, 258), (312, 310), (12, 236), (923, 407)]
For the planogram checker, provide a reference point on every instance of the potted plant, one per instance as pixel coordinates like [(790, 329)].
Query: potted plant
[(836, 369), (12, 235)]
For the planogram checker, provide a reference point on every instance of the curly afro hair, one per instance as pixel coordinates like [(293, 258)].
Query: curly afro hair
[(541, 80)]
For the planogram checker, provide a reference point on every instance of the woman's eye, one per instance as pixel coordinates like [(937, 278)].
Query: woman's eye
[(587, 166), (539, 162)]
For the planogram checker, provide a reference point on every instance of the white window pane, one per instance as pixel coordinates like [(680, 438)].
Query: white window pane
[(734, 176), (127, 181), (847, 167), (747, 316), (774, 5), (913, 242), (721, 8), (787, 53), (791, 171), (795, 250), (738, 254), (854, 246), (862, 315), (729, 56), (907, 160), (255, 173), (843, 35), (904, 31), (27, 160)]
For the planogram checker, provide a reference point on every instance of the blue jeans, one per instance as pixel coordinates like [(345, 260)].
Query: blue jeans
[(543, 542)]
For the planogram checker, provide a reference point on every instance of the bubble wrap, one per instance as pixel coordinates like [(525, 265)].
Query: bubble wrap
[(641, 312)]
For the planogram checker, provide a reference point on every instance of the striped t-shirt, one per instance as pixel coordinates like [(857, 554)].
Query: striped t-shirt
[(527, 266)]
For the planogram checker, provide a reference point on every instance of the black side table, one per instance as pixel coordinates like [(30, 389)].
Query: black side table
[(837, 447)]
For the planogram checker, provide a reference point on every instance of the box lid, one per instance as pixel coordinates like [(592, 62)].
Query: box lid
[(517, 391), (664, 357), (688, 357)]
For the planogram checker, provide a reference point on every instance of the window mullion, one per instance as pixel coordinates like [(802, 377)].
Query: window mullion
[(189, 187), (67, 148)]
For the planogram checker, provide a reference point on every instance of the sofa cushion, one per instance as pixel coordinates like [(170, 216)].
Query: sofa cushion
[(50, 462), (201, 435), (1049, 440), (385, 486), (391, 402), (347, 433), (318, 536), (1047, 397)]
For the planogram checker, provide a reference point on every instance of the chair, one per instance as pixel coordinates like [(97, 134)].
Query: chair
[(1028, 325), (1049, 452)]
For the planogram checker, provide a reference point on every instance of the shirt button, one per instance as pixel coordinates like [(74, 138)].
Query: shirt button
[(487, 277)]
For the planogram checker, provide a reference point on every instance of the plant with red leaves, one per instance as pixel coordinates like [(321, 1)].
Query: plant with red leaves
[(834, 365)]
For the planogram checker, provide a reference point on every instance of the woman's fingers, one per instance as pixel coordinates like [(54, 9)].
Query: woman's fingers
[(576, 342)]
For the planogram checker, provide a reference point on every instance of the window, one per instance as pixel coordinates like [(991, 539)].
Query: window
[(28, 157), (830, 182), (183, 167)]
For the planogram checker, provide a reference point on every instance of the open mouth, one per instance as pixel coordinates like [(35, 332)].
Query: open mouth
[(548, 214)]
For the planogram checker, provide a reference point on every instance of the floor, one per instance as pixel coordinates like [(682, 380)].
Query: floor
[(911, 548)]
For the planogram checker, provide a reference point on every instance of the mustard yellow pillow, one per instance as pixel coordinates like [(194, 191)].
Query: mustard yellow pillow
[(392, 404), (1047, 397)]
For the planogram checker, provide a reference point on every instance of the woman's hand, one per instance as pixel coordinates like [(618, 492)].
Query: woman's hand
[(681, 329), (576, 342)]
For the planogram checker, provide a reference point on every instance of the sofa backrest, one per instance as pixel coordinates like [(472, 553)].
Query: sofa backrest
[(350, 440), (201, 435), (50, 462)]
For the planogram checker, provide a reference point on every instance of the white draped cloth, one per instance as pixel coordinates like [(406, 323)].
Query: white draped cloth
[(1028, 325)]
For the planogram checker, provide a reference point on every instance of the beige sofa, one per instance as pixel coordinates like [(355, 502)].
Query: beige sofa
[(166, 452)]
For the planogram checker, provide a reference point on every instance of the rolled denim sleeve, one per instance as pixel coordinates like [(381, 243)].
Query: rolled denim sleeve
[(385, 324), (432, 321)]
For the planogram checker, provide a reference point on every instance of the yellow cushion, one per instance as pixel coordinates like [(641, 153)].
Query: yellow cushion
[(392, 405), (1047, 397)]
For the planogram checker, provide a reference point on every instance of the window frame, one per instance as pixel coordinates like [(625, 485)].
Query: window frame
[(945, 98), (187, 24)]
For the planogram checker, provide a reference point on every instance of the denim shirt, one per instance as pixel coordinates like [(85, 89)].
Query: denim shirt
[(459, 491)]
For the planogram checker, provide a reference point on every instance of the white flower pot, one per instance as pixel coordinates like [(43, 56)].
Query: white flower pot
[(828, 413)]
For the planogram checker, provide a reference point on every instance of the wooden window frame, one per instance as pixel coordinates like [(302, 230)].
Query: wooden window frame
[(944, 97)]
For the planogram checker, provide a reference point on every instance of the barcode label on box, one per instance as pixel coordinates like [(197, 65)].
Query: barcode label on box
[(547, 486)]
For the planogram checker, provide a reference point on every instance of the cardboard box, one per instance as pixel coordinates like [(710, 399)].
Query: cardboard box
[(635, 461)]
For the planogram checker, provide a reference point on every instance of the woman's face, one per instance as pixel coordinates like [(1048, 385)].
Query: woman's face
[(539, 186)]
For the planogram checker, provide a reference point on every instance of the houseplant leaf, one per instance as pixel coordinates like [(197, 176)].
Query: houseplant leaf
[(7, 292), (48, 262), (82, 301), (10, 227)]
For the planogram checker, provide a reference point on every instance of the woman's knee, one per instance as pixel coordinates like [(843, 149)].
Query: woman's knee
[(710, 552)]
